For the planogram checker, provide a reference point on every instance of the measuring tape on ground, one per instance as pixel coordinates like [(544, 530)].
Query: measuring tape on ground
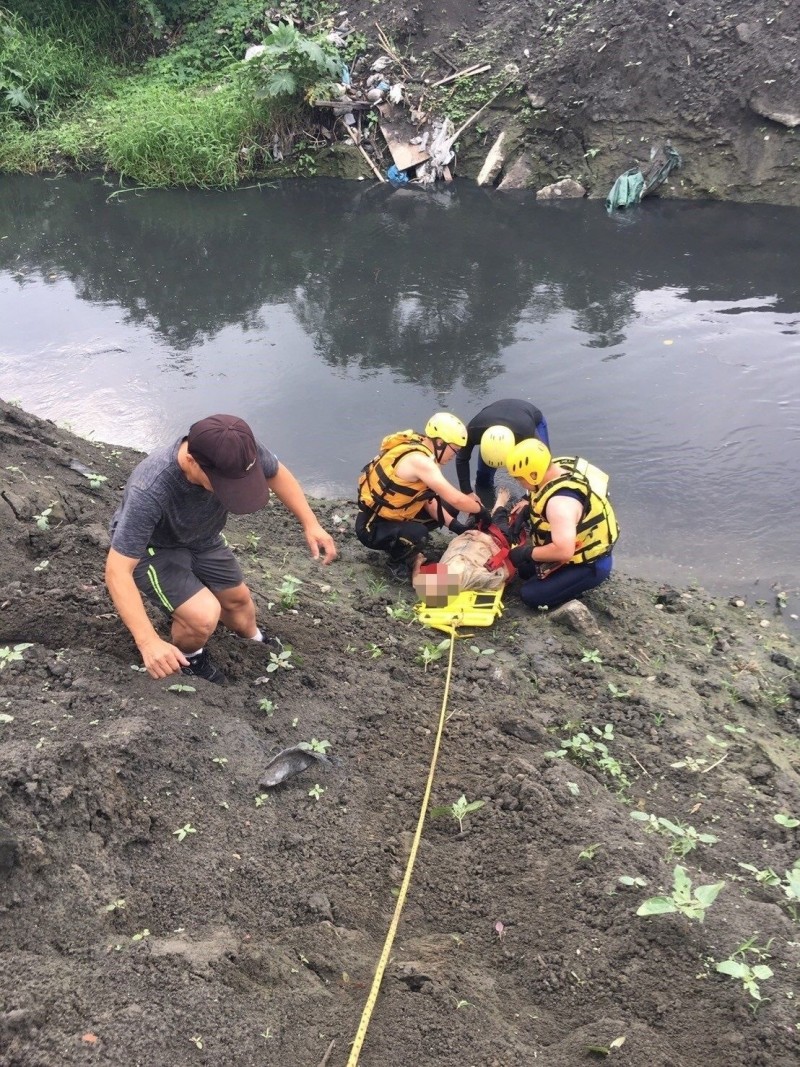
[(369, 1007)]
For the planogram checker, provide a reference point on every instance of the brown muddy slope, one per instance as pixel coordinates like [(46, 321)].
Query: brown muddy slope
[(607, 78), (252, 941)]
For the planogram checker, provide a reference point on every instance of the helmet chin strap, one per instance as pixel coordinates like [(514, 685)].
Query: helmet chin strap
[(439, 450)]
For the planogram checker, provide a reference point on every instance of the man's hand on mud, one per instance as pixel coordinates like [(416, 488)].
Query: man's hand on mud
[(321, 542), (162, 659)]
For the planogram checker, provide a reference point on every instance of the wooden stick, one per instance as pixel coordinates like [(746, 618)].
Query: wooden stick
[(387, 47), (467, 72), (472, 118), (375, 170), (705, 770), (327, 1056)]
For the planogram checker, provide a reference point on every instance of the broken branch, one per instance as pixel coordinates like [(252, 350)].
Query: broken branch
[(375, 170)]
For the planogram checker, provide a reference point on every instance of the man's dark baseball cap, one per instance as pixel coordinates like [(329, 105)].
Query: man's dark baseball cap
[(224, 447)]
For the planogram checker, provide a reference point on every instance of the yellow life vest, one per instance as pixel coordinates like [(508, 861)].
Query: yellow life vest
[(381, 492), (597, 530)]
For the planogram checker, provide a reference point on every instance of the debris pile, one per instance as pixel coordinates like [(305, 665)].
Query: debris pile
[(420, 142)]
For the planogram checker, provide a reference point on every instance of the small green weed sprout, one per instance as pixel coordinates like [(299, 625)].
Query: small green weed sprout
[(788, 822), (261, 799), (316, 791), (585, 750), (481, 651), (617, 693), (220, 761), (430, 653), (376, 585), (253, 540), (591, 655), (115, 905), (632, 881), (374, 650), (458, 810), (789, 884), (401, 611), (288, 590), (96, 480), (691, 904), (12, 655), (43, 519), (267, 706), (315, 746), (141, 935), (685, 838), (589, 852), (737, 966), (183, 831), (180, 687), (280, 661)]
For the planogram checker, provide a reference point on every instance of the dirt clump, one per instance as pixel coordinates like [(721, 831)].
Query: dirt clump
[(157, 907)]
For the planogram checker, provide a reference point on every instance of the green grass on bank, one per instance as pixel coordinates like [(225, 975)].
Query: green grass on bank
[(88, 85)]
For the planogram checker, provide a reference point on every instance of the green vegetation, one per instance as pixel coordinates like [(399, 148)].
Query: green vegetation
[(691, 904), (157, 90), (458, 810)]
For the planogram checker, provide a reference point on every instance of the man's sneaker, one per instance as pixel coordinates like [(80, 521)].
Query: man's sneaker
[(201, 665)]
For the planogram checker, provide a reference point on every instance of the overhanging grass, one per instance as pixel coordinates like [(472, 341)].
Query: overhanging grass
[(162, 134)]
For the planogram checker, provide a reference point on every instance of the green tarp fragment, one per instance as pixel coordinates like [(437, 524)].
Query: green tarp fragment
[(634, 184)]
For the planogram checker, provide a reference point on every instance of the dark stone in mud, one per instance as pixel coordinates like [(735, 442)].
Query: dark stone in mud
[(782, 660), (524, 731), (9, 853)]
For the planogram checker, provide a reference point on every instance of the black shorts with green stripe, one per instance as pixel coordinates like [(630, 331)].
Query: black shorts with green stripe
[(168, 577)]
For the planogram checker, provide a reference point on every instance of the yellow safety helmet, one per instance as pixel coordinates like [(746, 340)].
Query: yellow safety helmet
[(448, 428), (496, 443), (529, 460)]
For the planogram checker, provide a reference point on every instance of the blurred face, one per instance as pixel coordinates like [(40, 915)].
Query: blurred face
[(435, 586)]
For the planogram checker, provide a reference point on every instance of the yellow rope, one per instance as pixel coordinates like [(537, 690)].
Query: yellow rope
[(361, 1033)]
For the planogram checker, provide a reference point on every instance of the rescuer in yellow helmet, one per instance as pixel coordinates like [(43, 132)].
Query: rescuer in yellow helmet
[(495, 430), (403, 495), (569, 520)]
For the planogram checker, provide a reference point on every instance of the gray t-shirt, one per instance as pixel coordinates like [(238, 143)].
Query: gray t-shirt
[(160, 507)]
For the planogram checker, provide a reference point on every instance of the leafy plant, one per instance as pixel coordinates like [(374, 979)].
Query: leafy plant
[(691, 904), (115, 905), (684, 837), (617, 693), (315, 746), (43, 519), (591, 656), (220, 761), (458, 810), (95, 480), (183, 831), (253, 540), (267, 706), (293, 63), (374, 650), (12, 655), (401, 611), (142, 934), (736, 966), (633, 881), (377, 586), (787, 821), (288, 590), (280, 661), (589, 852), (181, 687), (789, 884), (261, 799), (316, 791), (430, 653), (586, 750)]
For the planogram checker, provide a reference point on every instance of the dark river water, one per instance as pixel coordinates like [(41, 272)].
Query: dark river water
[(663, 344)]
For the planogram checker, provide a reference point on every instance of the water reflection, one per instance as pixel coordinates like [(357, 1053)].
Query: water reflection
[(662, 343)]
